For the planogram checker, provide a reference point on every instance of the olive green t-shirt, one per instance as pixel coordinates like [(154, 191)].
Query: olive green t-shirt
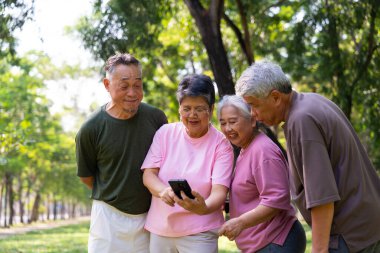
[(112, 151)]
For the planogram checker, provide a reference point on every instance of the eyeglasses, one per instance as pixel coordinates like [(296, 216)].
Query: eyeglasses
[(199, 110)]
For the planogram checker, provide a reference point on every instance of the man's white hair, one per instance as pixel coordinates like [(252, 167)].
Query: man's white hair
[(261, 78)]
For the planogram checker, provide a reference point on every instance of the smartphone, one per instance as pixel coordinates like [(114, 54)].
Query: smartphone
[(179, 185)]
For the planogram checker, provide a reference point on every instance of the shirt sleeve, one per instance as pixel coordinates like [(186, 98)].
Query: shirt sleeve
[(85, 154), (154, 156), (312, 162), (222, 169), (272, 182), (319, 180)]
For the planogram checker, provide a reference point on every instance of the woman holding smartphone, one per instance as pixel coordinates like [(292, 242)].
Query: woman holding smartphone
[(262, 218), (196, 151)]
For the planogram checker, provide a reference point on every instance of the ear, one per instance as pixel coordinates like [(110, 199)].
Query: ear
[(253, 122), (276, 96), (211, 111), (106, 83)]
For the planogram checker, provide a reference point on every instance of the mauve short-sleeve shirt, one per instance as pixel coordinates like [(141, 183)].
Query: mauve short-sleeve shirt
[(329, 164), (262, 178)]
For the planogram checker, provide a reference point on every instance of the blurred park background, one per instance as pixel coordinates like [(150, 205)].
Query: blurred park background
[(48, 88)]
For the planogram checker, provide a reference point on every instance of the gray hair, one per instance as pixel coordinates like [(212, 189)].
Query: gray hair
[(237, 102), (121, 59), (261, 78)]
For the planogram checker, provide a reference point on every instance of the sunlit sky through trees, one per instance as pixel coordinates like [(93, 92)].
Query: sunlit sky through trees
[(46, 33)]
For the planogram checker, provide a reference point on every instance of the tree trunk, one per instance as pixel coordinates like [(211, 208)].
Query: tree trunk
[(63, 210), (6, 199), (344, 89), (48, 207), (20, 200), (1, 199), (27, 197), (55, 209), (35, 209), (11, 199), (208, 23)]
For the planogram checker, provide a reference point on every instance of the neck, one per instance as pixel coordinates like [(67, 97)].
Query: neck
[(251, 138), (287, 105), (119, 113)]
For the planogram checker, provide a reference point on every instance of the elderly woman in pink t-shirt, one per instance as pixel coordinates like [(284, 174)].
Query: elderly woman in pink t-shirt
[(262, 218), (193, 150)]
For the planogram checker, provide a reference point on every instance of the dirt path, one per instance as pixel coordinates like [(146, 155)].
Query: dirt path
[(6, 232)]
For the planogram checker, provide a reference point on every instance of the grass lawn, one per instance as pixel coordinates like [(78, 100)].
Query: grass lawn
[(73, 239)]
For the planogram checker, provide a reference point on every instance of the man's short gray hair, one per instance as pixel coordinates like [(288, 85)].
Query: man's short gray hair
[(261, 78)]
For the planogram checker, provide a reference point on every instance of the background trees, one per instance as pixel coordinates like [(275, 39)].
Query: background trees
[(329, 47), (37, 160)]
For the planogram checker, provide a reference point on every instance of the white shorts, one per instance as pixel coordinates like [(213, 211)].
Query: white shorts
[(205, 242), (112, 231)]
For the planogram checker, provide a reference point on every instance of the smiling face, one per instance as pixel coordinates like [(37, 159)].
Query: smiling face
[(126, 90), (237, 129), (195, 115)]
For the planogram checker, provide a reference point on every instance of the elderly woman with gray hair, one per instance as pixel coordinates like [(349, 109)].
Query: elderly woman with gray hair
[(194, 150), (262, 218)]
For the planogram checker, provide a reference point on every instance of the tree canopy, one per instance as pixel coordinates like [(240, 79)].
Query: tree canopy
[(329, 47)]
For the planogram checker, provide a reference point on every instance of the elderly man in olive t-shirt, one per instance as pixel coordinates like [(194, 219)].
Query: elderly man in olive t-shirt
[(111, 147), (333, 182)]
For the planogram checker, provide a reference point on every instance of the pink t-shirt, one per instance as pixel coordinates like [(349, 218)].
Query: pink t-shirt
[(202, 161), (261, 177)]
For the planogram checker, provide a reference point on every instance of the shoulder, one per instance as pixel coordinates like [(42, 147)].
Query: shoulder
[(93, 120), (154, 113), (92, 124), (150, 109), (170, 129), (263, 149), (264, 145), (219, 138), (309, 109)]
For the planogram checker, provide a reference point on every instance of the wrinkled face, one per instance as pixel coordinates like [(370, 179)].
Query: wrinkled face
[(195, 115), (237, 129), (263, 109), (125, 88)]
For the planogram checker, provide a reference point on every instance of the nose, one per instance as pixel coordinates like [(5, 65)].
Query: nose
[(130, 92), (227, 127)]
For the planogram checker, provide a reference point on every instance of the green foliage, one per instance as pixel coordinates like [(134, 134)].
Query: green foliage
[(13, 15), (329, 47), (335, 51), (33, 146)]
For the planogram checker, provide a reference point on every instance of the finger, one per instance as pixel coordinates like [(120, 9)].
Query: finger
[(168, 201), (184, 196), (221, 231), (197, 195)]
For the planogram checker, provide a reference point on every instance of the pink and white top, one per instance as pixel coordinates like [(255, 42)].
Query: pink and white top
[(261, 177), (202, 161)]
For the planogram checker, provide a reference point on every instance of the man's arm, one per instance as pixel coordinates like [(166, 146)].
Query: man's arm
[(321, 220), (88, 181)]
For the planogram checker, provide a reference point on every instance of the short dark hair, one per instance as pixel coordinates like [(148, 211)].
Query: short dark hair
[(197, 85), (118, 59)]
